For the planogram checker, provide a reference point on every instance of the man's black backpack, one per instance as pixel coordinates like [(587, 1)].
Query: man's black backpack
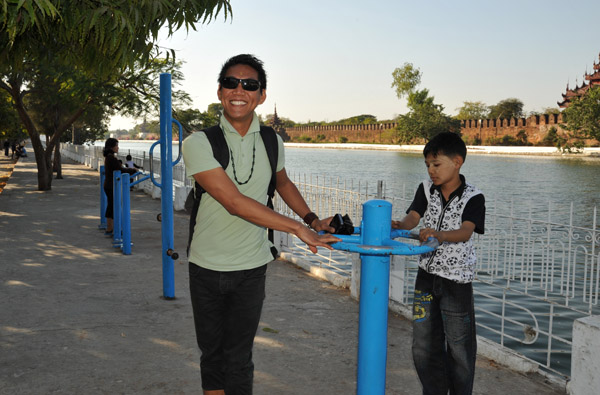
[(221, 153)]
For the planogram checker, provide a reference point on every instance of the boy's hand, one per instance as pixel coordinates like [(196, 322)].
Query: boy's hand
[(426, 233), (397, 225)]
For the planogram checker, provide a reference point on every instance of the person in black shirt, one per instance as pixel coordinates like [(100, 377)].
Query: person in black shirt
[(444, 341), (111, 164)]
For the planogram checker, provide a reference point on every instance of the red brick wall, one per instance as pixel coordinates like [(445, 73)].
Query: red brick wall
[(536, 127)]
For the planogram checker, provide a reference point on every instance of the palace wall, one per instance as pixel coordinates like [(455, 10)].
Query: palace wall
[(536, 127)]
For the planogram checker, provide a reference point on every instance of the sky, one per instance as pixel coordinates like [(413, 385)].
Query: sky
[(328, 60)]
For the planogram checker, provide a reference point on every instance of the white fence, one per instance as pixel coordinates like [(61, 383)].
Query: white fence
[(535, 275)]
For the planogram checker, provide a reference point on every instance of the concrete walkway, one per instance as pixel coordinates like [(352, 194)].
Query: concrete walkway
[(78, 317)]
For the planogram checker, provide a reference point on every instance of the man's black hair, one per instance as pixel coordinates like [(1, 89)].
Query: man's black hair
[(248, 60), (446, 143)]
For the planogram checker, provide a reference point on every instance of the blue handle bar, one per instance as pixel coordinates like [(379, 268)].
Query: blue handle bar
[(389, 246)]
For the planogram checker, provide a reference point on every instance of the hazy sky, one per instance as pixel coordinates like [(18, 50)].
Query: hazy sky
[(327, 60)]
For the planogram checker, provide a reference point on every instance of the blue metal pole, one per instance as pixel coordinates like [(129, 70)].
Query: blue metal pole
[(374, 295), (117, 208), (103, 199), (166, 178), (126, 215)]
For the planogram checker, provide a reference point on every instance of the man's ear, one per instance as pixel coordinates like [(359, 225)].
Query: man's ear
[(219, 92), (263, 96)]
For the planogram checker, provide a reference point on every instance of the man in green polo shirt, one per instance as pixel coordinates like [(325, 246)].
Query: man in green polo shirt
[(229, 251)]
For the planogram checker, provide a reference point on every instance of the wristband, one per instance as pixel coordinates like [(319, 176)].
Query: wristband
[(309, 218)]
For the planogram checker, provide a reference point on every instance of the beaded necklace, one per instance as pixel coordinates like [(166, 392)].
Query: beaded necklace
[(251, 169)]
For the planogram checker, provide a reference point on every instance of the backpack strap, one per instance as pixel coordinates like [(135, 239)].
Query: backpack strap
[(269, 138), (220, 151)]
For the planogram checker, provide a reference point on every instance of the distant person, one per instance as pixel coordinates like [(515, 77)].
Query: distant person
[(20, 151), (6, 147), (111, 164), (444, 342), (229, 251), (13, 148), (129, 163)]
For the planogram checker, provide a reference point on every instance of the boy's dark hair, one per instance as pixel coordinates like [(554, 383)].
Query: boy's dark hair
[(128, 157), (248, 60), (446, 143)]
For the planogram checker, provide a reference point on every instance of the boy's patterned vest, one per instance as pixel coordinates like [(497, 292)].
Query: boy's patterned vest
[(454, 261)]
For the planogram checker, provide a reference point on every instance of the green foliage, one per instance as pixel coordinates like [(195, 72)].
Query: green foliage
[(10, 125), (365, 119), (343, 139), (405, 79), (553, 139), (506, 109), (304, 139), (507, 140), (475, 140), (320, 137), (583, 116), (103, 35), (472, 110), (425, 119)]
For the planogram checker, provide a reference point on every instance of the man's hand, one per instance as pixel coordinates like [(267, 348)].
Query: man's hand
[(314, 240)]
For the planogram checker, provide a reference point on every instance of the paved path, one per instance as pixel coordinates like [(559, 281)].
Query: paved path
[(78, 317)]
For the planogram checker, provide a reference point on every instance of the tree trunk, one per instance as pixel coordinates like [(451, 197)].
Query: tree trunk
[(57, 162), (42, 158)]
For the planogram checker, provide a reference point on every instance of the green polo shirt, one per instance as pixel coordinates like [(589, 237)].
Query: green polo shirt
[(222, 241)]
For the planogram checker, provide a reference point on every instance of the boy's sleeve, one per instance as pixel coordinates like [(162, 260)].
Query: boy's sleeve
[(419, 203), (475, 212)]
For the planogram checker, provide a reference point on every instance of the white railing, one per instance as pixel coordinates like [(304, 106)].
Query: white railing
[(535, 275)]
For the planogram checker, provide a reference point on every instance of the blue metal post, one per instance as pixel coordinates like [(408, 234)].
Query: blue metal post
[(117, 208), (126, 215), (374, 295), (166, 178), (103, 199)]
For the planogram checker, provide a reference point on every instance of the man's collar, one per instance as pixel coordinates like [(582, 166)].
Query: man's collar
[(458, 191), (227, 128)]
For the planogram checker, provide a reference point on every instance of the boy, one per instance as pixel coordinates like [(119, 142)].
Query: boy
[(444, 344)]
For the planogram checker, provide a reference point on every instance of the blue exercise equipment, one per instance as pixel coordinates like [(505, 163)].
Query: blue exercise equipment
[(166, 183), (374, 241)]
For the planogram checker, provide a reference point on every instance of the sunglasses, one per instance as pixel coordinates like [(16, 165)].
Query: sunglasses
[(248, 84)]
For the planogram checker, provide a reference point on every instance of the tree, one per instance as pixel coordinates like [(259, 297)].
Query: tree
[(101, 35), (506, 109), (582, 117), (50, 96), (364, 119), (99, 40), (406, 79), (193, 119), (425, 118), (472, 110)]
